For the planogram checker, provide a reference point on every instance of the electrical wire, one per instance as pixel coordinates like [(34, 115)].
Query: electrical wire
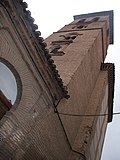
[(87, 115)]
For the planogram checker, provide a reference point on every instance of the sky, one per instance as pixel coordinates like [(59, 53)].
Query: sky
[(51, 15)]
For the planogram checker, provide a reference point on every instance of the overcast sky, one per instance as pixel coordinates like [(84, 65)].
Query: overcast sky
[(51, 15)]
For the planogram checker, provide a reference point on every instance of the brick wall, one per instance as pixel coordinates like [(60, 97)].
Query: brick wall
[(79, 68), (31, 129)]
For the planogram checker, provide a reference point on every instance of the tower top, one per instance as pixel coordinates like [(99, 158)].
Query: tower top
[(99, 14)]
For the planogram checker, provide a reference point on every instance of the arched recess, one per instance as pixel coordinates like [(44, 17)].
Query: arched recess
[(10, 86)]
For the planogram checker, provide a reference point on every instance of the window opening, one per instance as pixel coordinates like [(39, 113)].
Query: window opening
[(8, 89), (81, 21), (58, 47), (95, 19)]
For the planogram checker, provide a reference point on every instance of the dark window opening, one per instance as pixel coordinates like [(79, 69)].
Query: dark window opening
[(81, 21), (95, 19), (56, 50), (81, 26)]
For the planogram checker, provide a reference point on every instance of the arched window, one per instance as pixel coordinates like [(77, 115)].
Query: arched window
[(8, 89), (8, 83)]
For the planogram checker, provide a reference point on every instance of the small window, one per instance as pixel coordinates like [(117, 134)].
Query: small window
[(81, 26), (81, 21), (95, 19)]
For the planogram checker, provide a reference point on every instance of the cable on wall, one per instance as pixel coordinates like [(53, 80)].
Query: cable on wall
[(87, 115)]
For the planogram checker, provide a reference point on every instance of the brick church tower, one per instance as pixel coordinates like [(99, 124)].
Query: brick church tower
[(65, 91)]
